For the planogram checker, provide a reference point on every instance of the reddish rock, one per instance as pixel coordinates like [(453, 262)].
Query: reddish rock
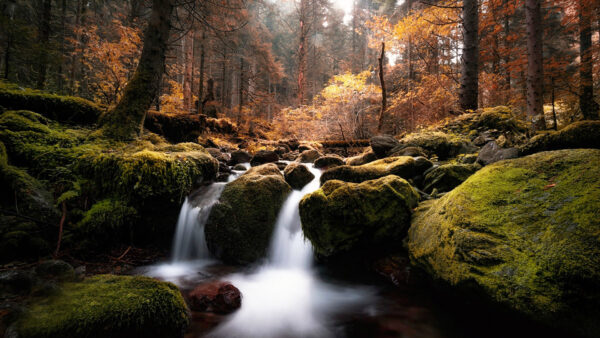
[(217, 296)]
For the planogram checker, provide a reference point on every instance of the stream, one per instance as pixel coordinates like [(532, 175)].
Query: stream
[(286, 295)]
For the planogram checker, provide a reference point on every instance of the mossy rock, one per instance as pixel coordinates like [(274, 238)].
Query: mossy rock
[(523, 232), (344, 218), (66, 109), (297, 175), (364, 158), (403, 166), (329, 161), (106, 223), (500, 118), (582, 134), (108, 306), (240, 225), (443, 145), (448, 176)]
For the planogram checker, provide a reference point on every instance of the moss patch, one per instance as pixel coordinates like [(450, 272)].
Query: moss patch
[(342, 217), (525, 232), (448, 176), (241, 224), (109, 306), (583, 134), (403, 166), (442, 144)]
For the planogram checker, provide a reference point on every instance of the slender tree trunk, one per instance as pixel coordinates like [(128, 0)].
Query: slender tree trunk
[(302, 53), (7, 53), (507, 47), (383, 92), (241, 92), (201, 77), (409, 47), (553, 107), (63, 18), (188, 71), (224, 77), (535, 73), (79, 15), (469, 81), (44, 39), (589, 107), (127, 118)]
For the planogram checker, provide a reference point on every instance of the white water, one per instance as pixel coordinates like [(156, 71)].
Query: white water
[(284, 297)]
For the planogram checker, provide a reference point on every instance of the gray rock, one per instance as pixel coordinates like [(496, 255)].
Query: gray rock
[(492, 152), (382, 144)]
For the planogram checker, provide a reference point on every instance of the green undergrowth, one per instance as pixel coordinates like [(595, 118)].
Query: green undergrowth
[(105, 184), (66, 109), (108, 306)]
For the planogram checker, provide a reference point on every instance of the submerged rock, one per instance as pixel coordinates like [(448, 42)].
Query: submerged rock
[(297, 175), (382, 144), (240, 225), (583, 134), (218, 297), (343, 217), (403, 166), (108, 306), (448, 176), (329, 161), (524, 232)]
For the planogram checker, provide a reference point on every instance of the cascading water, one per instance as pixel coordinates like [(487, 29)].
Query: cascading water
[(284, 297)]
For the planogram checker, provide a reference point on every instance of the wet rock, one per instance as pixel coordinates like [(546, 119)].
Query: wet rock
[(329, 161), (240, 225), (223, 177), (448, 176), (382, 144), (17, 281), (346, 218), (224, 168), (402, 150), (218, 297), (524, 233), (293, 144), (264, 156), (361, 159), (55, 269), (492, 152), (304, 147), (218, 155), (468, 158), (308, 156), (239, 167), (403, 166), (281, 165), (239, 156), (291, 156), (297, 175)]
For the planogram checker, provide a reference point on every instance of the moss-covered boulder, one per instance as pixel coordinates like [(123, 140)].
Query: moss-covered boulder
[(309, 156), (240, 225), (364, 158), (382, 144), (583, 134), (443, 145), (524, 232), (329, 161), (344, 218), (297, 175), (108, 306), (448, 176), (403, 166)]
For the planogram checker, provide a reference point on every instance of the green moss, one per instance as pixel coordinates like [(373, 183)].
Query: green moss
[(444, 145), (448, 176), (241, 224), (526, 232), (500, 118), (109, 306), (403, 166), (583, 134), (108, 221), (67, 109), (346, 217)]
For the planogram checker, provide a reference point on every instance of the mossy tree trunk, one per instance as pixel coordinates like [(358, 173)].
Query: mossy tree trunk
[(126, 119)]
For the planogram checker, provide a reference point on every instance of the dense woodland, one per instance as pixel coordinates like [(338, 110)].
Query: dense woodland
[(299, 168), (311, 70)]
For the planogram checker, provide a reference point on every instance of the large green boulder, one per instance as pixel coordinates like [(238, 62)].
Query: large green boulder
[(524, 232), (108, 306), (403, 166), (343, 218), (582, 134), (240, 225), (448, 176)]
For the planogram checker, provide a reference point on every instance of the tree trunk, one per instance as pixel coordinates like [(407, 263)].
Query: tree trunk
[(188, 71), (535, 73), (63, 18), (589, 107), (127, 118), (383, 93), (201, 77), (470, 59), (302, 53), (79, 20), (44, 39), (507, 46), (241, 92)]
